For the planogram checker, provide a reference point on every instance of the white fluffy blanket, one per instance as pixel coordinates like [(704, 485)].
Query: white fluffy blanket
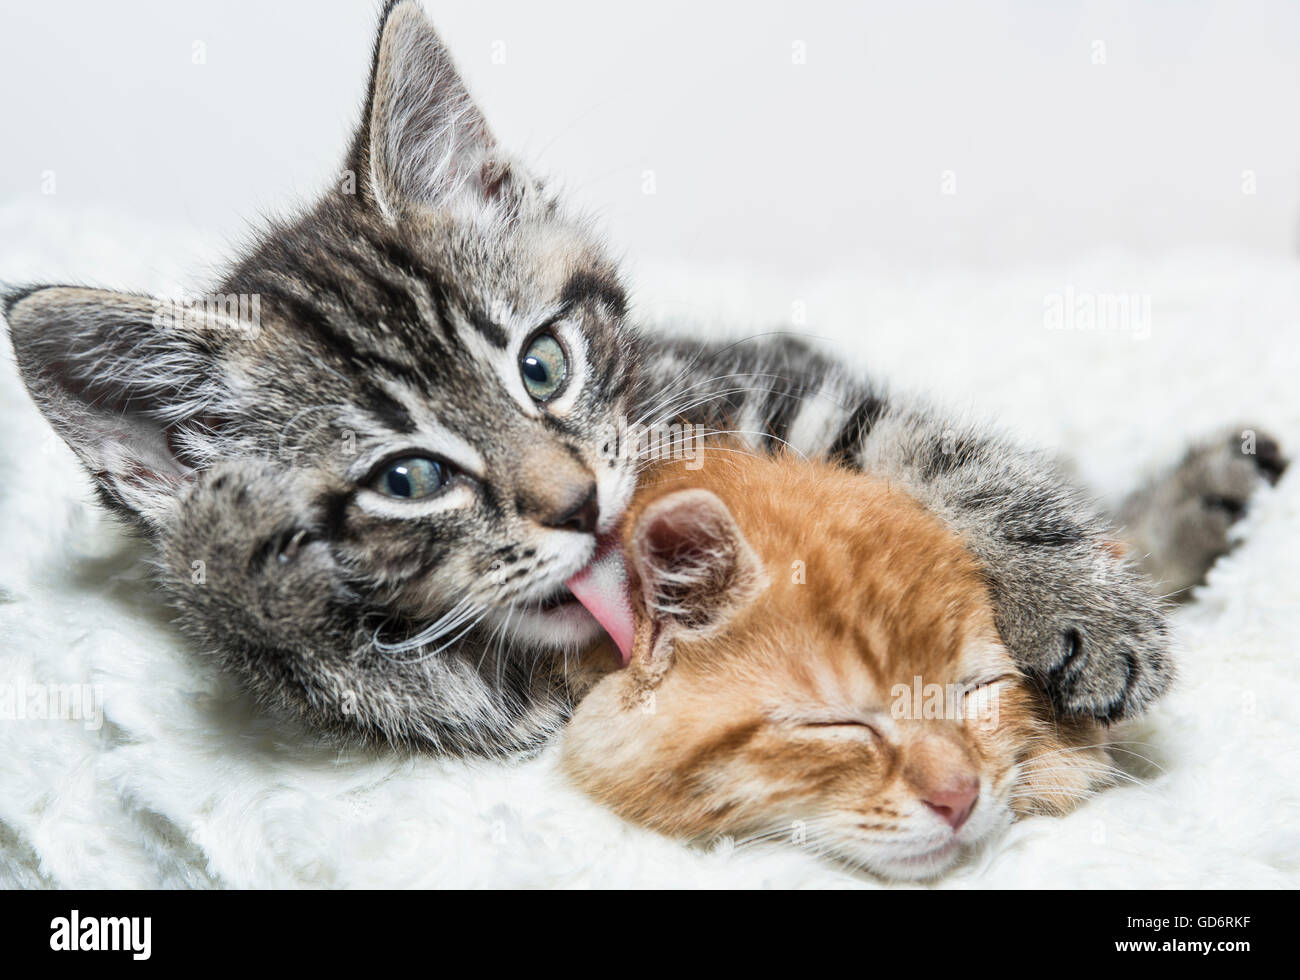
[(183, 784)]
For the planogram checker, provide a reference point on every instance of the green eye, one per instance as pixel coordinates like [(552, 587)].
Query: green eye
[(544, 367), (412, 478)]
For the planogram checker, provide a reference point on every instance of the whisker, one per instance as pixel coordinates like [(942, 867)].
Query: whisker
[(450, 620), (431, 653), (673, 393)]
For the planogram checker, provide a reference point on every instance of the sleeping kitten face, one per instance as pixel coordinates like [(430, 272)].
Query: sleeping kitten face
[(788, 615), (437, 348)]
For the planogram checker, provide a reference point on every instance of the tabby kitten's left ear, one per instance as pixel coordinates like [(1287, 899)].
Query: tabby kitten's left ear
[(128, 382), (695, 571), (423, 141)]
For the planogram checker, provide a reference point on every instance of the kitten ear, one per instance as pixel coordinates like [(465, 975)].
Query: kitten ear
[(423, 139), (123, 380), (693, 564)]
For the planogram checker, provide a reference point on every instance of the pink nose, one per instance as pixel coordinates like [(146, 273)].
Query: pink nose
[(954, 803)]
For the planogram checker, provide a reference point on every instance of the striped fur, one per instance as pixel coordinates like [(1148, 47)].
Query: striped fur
[(392, 319), (775, 700), (1081, 612)]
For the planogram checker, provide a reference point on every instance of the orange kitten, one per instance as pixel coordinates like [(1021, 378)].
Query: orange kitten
[(815, 659)]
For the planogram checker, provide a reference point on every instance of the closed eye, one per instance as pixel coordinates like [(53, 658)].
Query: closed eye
[(842, 728), (988, 682)]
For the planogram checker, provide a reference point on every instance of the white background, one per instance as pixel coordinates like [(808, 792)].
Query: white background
[(757, 161)]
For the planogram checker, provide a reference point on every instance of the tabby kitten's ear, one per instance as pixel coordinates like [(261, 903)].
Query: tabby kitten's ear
[(423, 141), (127, 385), (694, 568)]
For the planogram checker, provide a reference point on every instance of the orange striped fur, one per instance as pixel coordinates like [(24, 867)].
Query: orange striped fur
[(783, 717)]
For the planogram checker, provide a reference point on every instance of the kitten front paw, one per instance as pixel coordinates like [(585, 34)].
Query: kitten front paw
[(1083, 626), (244, 555), (1181, 522), (1113, 660)]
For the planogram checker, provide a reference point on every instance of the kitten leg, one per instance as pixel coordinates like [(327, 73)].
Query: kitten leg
[(1074, 612), (1078, 618), (1180, 522)]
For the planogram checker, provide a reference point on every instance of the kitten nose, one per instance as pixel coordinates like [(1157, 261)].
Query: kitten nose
[(955, 801), (943, 774), (557, 491), (581, 517)]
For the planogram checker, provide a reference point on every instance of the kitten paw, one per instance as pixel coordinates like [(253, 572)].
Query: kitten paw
[(1111, 665), (244, 555), (1181, 522), (1083, 626)]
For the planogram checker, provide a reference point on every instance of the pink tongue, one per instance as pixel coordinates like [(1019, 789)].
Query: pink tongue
[(602, 588)]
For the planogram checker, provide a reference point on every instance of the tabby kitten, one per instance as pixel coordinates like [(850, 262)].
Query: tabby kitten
[(367, 497), (815, 660)]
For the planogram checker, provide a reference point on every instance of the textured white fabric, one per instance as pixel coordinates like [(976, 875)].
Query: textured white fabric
[(185, 785)]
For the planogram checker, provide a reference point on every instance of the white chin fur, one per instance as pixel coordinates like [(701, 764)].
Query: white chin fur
[(919, 868), (565, 628), (988, 820)]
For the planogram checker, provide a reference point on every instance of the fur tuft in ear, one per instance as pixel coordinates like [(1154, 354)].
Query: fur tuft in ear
[(129, 385), (694, 566), (423, 140)]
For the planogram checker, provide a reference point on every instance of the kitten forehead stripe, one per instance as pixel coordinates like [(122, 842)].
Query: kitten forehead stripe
[(584, 286), (492, 332), (316, 321)]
